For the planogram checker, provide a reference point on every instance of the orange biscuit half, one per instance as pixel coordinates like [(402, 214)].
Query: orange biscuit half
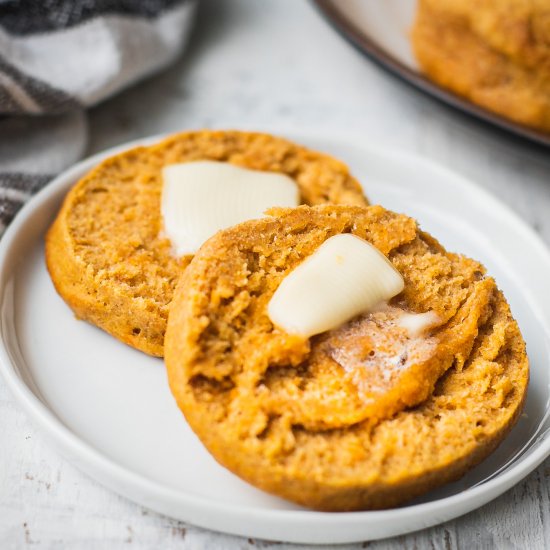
[(105, 251), (360, 417)]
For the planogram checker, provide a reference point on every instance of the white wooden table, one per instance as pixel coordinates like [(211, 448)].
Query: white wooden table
[(267, 65)]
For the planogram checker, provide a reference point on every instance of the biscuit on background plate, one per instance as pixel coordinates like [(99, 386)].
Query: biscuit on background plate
[(322, 421), (105, 251), (520, 29), (452, 53)]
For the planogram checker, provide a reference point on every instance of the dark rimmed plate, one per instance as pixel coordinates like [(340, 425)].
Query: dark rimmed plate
[(379, 29)]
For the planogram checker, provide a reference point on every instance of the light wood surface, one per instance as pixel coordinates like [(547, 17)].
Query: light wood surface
[(273, 65)]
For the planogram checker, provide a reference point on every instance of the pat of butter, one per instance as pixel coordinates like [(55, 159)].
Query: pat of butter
[(344, 277), (200, 198)]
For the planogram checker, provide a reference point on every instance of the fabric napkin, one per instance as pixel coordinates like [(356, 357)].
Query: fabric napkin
[(58, 57)]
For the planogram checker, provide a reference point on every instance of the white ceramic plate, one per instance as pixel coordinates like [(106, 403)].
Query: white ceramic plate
[(380, 29), (108, 409)]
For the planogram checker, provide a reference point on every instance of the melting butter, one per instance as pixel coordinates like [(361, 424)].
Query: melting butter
[(344, 277), (201, 198), (377, 348), (416, 324)]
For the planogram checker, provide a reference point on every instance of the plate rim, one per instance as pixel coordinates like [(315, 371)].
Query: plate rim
[(111, 473), (332, 13)]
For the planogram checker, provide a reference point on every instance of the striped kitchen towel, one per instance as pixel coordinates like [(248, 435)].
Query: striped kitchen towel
[(58, 57)]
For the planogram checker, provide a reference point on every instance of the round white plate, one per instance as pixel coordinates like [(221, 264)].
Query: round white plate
[(108, 409)]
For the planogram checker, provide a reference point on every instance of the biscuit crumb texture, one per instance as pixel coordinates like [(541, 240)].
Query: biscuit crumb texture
[(496, 53), (360, 417), (106, 253)]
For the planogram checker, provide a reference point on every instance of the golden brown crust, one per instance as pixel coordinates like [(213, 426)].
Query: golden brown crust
[(283, 413), (519, 29), (472, 50), (105, 252)]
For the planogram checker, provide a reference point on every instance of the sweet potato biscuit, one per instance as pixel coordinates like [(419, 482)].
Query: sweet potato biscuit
[(455, 56), (105, 251), (520, 29), (360, 416)]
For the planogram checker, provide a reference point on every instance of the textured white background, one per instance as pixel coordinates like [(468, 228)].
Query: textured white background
[(274, 64)]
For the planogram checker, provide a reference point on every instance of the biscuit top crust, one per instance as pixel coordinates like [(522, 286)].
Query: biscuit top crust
[(519, 29)]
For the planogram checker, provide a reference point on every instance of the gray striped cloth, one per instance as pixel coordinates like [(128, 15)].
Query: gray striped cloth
[(58, 57)]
